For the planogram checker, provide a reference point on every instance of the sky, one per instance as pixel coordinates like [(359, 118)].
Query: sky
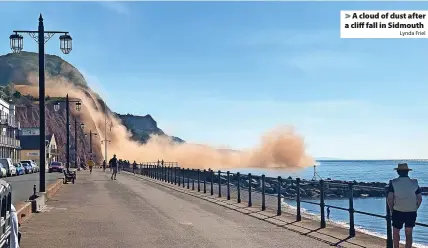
[(224, 73)]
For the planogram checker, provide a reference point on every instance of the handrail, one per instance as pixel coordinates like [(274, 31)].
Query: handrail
[(287, 188)]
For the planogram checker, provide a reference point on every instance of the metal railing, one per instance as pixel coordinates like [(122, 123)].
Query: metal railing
[(5, 214), (248, 186), (8, 141), (9, 120)]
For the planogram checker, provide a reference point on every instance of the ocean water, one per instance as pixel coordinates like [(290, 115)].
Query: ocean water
[(362, 171)]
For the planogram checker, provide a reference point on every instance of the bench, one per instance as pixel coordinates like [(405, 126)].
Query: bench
[(69, 177)]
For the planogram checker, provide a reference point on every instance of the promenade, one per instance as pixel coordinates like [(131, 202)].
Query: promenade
[(133, 212)]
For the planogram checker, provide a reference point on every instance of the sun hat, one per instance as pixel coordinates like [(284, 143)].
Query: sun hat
[(402, 167)]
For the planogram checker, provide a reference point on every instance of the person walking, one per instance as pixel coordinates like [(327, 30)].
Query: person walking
[(404, 200), (328, 213), (104, 165), (113, 166), (134, 167), (90, 165)]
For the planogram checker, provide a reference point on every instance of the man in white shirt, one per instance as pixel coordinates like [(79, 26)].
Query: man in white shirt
[(404, 200), (14, 240)]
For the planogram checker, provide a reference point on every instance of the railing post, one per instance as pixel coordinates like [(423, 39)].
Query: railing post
[(193, 179), (389, 241), (219, 184), (351, 211), (157, 172), (238, 179), (188, 178), (179, 176), (199, 180), (299, 214), (205, 181), (263, 193), (150, 171), (184, 177), (322, 204), (171, 174), (250, 203), (279, 209), (228, 185), (175, 175), (212, 182)]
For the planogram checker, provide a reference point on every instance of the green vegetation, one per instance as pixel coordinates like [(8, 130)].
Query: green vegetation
[(17, 67)]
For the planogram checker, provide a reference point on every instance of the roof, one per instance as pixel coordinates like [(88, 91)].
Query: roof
[(32, 142)]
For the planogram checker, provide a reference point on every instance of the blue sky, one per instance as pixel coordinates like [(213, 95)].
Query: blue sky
[(223, 73)]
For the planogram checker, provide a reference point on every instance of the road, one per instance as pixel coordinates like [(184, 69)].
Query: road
[(134, 213), (22, 186)]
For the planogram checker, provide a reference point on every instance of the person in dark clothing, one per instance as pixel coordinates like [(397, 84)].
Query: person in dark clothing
[(113, 166), (134, 167), (104, 165), (404, 200)]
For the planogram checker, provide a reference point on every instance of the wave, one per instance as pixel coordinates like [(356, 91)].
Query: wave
[(314, 216)]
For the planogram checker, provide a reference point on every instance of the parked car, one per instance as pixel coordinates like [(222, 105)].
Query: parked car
[(3, 171), (27, 167), (20, 170), (33, 165), (56, 166), (8, 165)]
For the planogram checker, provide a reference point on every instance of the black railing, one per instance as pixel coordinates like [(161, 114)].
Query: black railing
[(5, 213), (277, 190)]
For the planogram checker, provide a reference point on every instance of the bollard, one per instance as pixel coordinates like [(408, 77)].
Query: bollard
[(238, 178), (228, 185), (199, 180), (219, 184), (279, 207), (205, 181), (188, 178), (34, 190), (250, 203), (193, 179), (212, 182), (322, 204), (298, 215), (351, 211), (263, 193)]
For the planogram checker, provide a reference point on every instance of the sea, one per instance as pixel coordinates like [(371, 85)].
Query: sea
[(361, 171)]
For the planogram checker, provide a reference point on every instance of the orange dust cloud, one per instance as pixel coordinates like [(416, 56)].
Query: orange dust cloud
[(279, 148)]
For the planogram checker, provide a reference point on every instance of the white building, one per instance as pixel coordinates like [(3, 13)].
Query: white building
[(9, 132)]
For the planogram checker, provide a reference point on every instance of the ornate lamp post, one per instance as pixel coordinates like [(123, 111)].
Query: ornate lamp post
[(82, 126), (41, 37), (67, 109), (90, 141)]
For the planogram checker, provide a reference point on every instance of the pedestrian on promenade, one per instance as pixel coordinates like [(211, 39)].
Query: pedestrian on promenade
[(104, 165), (404, 199), (15, 236), (113, 166), (328, 213), (134, 167), (90, 165)]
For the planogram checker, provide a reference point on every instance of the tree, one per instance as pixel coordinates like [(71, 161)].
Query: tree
[(17, 94)]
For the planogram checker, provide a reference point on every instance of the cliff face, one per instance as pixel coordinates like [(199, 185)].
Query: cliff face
[(142, 127), (19, 68), (28, 115)]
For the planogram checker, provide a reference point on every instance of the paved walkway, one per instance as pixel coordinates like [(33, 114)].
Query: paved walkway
[(131, 212)]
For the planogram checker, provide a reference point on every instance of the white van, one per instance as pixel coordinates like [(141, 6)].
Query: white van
[(8, 165)]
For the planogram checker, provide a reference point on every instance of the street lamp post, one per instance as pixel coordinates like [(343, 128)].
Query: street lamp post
[(41, 37), (90, 141), (105, 140), (75, 140), (67, 113)]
